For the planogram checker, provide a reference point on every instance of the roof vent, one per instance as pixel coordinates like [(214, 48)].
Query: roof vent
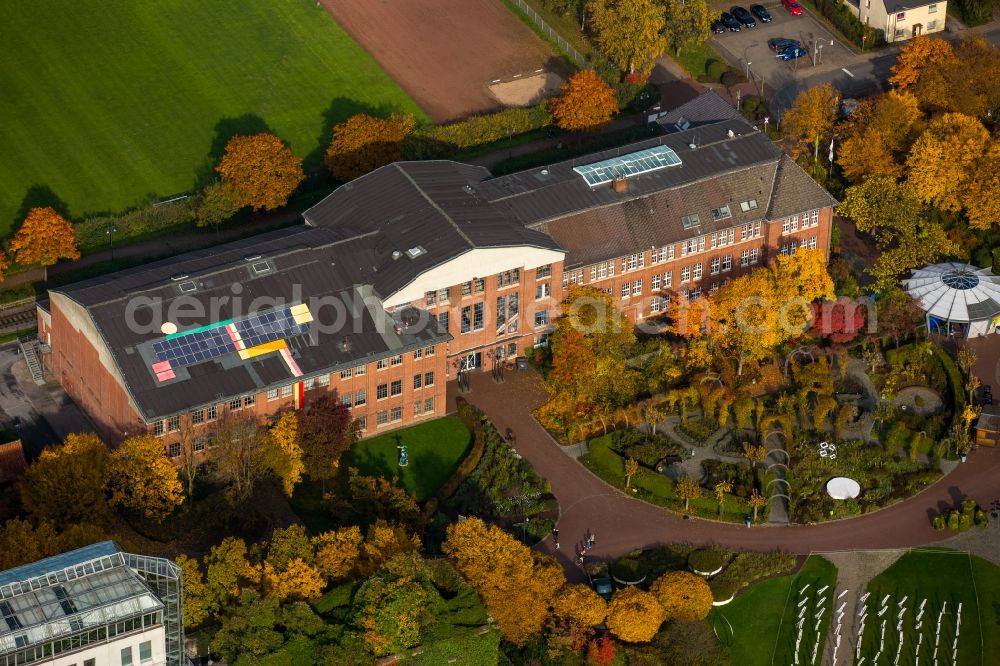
[(396, 254), (692, 145), (187, 287), (345, 344), (619, 185), (545, 172), (177, 277), (468, 188), (415, 252), (260, 267), (253, 257), (168, 328), (730, 134)]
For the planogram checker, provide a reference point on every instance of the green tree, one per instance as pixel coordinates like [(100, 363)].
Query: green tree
[(894, 216), (688, 23), (227, 571), (327, 431), (66, 485), (288, 543), (216, 205), (628, 32), (688, 489), (142, 479), (390, 610)]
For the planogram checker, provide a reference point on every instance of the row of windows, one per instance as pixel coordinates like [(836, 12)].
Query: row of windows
[(791, 247), (504, 279), (573, 277), (395, 387), (395, 414), (384, 363), (46, 651), (791, 224)]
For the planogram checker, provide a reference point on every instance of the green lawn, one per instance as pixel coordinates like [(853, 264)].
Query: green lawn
[(107, 104), (755, 622), (695, 59), (435, 449), (942, 577), (655, 488)]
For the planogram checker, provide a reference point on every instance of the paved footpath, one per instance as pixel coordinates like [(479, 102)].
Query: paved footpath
[(622, 524)]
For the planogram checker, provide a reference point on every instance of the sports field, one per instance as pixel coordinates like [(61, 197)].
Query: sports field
[(107, 103)]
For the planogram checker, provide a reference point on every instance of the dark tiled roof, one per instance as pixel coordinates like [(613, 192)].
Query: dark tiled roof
[(308, 265), (795, 191), (433, 205), (705, 109)]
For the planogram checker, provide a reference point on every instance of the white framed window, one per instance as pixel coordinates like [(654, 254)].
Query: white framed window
[(697, 272), (418, 407), (727, 262), (347, 399), (198, 417), (654, 282), (814, 217), (249, 400), (695, 293), (543, 290), (382, 364), (541, 319), (212, 413), (931, 25), (323, 380), (795, 222), (721, 213), (812, 242), (272, 394), (655, 304), (754, 255), (637, 287), (346, 374), (362, 422), (685, 274), (360, 370), (668, 278), (396, 360), (626, 290), (158, 428), (286, 390), (309, 384), (543, 271), (745, 258), (747, 206), (430, 298), (361, 397), (382, 417), (428, 405), (786, 225), (715, 265)]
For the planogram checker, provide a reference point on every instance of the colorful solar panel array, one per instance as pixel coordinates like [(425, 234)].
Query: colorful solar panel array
[(260, 334)]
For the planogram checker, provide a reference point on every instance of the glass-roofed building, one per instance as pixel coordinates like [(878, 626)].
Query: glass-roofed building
[(94, 606)]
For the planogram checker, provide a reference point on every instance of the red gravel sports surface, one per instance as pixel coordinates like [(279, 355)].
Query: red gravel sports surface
[(444, 53)]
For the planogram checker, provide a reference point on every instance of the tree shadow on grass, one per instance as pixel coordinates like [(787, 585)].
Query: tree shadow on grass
[(38, 196), (226, 129), (339, 110)]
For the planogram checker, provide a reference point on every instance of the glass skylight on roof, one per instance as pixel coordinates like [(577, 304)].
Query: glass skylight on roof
[(630, 164)]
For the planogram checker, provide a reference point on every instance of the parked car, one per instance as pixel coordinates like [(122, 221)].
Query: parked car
[(793, 7), (761, 13), (604, 587), (791, 53), (730, 22), (744, 17), (718, 27), (781, 43)]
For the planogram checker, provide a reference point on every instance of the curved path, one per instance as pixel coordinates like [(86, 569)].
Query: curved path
[(622, 524)]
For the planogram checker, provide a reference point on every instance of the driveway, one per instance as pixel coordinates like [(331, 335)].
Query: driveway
[(42, 415), (622, 524)]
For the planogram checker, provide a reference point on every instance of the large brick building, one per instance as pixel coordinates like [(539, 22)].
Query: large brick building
[(419, 270)]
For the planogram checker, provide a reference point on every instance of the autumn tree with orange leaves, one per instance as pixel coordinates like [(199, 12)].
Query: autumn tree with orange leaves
[(363, 143), (877, 136), (811, 118), (920, 54), (586, 103), (261, 171), (44, 238)]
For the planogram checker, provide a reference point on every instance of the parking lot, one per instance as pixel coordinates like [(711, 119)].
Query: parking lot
[(750, 46)]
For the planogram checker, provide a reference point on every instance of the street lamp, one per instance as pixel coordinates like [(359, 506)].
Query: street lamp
[(110, 231), (748, 69)]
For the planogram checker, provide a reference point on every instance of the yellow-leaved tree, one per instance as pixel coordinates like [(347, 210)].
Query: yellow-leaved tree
[(227, 571), (66, 485), (44, 238), (298, 580), (982, 194), (683, 595), (634, 615), (744, 318), (799, 279), (363, 143), (141, 478), (941, 160), (586, 103), (878, 135), (337, 552), (688, 23), (196, 608), (579, 604), (629, 32), (383, 542), (920, 54), (517, 585), (260, 170), (688, 489), (811, 118), (286, 450)]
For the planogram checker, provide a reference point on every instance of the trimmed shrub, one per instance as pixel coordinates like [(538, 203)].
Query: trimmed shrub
[(93, 231), (647, 449), (722, 588), (938, 522), (730, 78), (444, 140), (714, 70), (708, 560)]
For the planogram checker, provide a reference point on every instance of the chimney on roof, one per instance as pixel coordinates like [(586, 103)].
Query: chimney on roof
[(619, 184)]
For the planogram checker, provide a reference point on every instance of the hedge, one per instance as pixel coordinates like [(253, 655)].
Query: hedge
[(748, 568), (444, 140), (473, 420), (955, 383), (92, 232)]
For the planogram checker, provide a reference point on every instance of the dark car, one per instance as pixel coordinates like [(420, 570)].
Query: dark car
[(604, 587), (781, 43), (718, 27), (761, 13), (791, 53), (744, 17), (730, 22)]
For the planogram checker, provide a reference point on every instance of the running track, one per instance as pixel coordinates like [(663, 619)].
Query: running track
[(622, 524)]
